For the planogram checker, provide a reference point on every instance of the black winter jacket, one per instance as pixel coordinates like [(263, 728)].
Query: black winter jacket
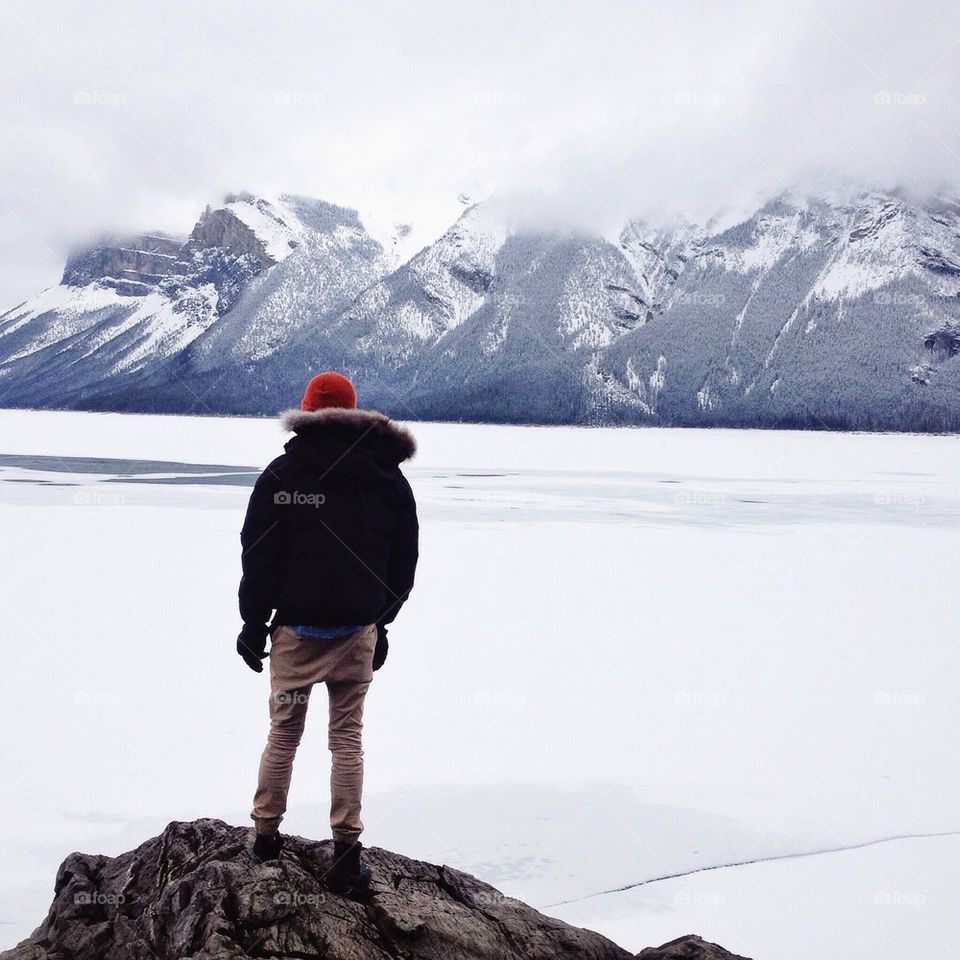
[(330, 536)]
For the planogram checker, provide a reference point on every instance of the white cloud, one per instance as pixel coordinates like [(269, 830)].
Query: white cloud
[(133, 116)]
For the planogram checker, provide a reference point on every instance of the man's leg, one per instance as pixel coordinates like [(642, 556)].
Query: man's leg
[(288, 713), (346, 748)]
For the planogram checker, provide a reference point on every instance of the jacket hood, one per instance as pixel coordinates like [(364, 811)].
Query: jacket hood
[(374, 430)]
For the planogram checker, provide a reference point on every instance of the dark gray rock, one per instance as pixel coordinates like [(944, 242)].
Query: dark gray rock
[(690, 947), (194, 892)]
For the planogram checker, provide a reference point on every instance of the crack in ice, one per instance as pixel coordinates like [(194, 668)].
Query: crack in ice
[(746, 863)]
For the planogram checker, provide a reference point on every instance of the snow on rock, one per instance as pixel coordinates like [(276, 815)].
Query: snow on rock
[(272, 222), (887, 239), (458, 269), (658, 255), (658, 378), (73, 307)]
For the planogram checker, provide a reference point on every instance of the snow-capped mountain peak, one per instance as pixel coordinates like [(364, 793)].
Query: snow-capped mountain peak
[(810, 311)]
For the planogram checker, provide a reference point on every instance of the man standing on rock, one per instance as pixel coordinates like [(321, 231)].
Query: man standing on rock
[(329, 549)]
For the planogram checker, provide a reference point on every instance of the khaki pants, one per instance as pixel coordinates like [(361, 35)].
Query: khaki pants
[(345, 664)]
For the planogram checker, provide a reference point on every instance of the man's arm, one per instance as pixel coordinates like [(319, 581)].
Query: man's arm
[(404, 551), (260, 540)]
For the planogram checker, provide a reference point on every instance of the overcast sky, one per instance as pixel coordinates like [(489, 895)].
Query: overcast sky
[(133, 116)]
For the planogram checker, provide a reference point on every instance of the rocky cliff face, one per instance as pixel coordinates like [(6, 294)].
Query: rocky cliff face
[(194, 892), (131, 266)]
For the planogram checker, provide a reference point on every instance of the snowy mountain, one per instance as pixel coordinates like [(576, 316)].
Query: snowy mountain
[(807, 313), (138, 323)]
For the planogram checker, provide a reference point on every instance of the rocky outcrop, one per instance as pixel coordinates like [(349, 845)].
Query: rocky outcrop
[(194, 892), (221, 250), (222, 253), (223, 229), (944, 343), (690, 947), (143, 260)]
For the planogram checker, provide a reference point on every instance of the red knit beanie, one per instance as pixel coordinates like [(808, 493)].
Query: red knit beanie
[(330, 389)]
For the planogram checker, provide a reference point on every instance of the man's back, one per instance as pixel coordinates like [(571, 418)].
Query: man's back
[(331, 531)]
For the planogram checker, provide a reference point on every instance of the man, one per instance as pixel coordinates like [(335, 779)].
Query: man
[(330, 549)]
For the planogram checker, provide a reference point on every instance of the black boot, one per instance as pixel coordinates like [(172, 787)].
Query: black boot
[(349, 871), (267, 846)]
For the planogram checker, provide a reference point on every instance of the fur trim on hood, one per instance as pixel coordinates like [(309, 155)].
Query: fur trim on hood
[(396, 440)]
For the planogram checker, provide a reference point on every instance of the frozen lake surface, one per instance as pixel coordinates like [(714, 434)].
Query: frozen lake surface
[(632, 658)]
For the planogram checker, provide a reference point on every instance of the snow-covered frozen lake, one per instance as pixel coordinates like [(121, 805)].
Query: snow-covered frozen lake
[(630, 654)]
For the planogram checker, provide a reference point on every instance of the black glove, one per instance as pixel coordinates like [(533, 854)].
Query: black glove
[(380, 653), (252, 645)]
